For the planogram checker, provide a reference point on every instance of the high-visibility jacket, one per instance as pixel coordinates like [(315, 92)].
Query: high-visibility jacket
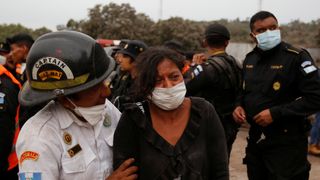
[(13, 159)]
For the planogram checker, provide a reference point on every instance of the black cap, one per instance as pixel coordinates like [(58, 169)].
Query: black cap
[(217, 30), (123, 42), (133, 48), (4, 47), (175, 45), (20, 38)]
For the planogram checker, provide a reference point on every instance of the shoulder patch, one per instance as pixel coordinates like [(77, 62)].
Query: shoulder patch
[(197, 70), (30, 175), (309, 69), (2, 95), (29, 155)]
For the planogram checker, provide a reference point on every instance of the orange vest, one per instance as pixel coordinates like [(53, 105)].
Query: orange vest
[(13, 159)]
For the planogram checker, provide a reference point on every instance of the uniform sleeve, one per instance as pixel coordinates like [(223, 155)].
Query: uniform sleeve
[(240, 92), (217, 148), (201, 77), (125, 142), (38, 156), (8, 108), (308, 81)]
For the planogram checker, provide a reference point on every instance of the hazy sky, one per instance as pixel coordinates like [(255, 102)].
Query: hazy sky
[(49, 13)]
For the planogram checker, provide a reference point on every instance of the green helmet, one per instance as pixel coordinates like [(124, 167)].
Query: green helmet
[(63, 63)]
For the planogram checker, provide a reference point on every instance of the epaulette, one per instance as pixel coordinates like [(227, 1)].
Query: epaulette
[(293, 49)]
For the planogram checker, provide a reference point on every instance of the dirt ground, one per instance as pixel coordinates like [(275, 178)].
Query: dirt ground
[(238, 170)]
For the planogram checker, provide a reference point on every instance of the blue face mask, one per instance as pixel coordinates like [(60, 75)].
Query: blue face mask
[(268, 39)]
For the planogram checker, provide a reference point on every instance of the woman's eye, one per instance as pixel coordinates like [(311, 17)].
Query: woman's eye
[(175, 77)]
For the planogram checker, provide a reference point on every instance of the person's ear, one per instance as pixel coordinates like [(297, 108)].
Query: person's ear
[(253, 37), (226, 43), (204, 43), (105, 90), (25, 50)]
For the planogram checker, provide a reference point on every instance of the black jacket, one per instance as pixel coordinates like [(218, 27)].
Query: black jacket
[(8, 109), (285, 80), (217, 81), (200, 153)]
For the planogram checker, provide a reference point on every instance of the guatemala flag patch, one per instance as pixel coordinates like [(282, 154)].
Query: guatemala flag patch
[(30, 176)]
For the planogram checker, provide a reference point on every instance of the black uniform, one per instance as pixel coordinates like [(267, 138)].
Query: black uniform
[(122, 91), (8, 109), (218, 81), (284, 80)]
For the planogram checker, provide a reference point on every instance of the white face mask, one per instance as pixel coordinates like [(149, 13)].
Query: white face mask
[(169, 98), (92, 114), (268, 39)]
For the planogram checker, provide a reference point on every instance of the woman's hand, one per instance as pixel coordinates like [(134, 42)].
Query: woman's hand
[(125, 171)]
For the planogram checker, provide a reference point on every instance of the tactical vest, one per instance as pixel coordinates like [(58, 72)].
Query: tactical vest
[(13, 159)]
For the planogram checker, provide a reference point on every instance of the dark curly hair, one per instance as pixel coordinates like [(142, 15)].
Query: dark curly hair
[(147, 68)]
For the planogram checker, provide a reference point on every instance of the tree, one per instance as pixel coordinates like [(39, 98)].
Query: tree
[(8, 30), (40, 31), (186, 31), (114, 21)]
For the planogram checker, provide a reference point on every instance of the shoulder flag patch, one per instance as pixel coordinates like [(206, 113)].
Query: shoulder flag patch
[(30, 176)]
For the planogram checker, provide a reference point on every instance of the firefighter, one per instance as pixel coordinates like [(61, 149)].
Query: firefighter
[(72, 136)]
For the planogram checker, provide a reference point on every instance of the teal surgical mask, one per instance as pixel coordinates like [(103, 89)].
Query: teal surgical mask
[(268, 39)]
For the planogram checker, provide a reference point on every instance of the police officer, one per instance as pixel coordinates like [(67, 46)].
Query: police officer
[(72, 136), (281, 87), (218, 79), (9, 117), (126, 58)]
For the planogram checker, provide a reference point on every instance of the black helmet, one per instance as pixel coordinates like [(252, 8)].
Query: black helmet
[(63, 63), (133, 48), (217, 30)]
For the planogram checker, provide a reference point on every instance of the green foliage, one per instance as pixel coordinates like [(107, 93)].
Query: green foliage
[(8, 30), (113, 21)]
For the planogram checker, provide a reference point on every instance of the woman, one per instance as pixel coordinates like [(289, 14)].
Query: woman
[(168, 135)]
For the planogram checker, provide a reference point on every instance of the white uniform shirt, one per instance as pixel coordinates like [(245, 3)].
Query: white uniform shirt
[(54, 144)]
